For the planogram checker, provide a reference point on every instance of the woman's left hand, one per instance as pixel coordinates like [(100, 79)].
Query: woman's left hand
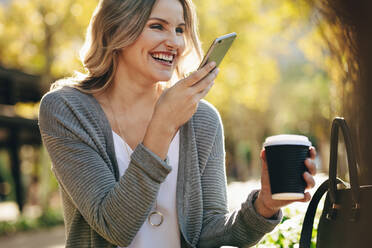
[(264, 204)]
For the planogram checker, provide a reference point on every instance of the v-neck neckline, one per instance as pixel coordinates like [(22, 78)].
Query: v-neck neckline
[(123, 141)]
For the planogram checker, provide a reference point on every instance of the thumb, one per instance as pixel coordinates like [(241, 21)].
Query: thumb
[(265, 181), (263, 155)]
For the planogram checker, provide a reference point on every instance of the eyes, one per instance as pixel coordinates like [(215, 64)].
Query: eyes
[(158, 26)]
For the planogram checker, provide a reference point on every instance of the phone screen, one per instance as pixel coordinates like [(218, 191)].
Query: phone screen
[(218, 49)]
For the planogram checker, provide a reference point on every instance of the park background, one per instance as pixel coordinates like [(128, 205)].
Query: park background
[(280, 76)]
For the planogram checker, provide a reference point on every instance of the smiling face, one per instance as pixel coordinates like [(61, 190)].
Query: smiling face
[(155, 54)]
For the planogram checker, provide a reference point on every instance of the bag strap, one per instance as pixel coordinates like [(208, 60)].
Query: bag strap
[(307, 226), (330, 185), (337, 123)]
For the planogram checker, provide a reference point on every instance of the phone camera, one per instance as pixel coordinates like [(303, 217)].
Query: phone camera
[(219, 41)]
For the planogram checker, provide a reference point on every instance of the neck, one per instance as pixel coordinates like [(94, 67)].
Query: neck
[(128, 94)]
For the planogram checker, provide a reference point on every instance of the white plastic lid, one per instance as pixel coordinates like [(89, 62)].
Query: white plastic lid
[(287, 139)]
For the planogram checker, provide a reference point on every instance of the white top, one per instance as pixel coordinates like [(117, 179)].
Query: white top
[(287, 139), (167, 234)]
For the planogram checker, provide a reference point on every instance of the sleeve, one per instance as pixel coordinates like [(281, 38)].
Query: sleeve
[(114, 209), (244, 227)]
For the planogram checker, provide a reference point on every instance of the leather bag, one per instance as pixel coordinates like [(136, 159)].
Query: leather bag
[(346, 219)]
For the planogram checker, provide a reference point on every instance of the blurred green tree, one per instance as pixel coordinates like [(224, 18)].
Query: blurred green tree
[(43, 37), (273, 80)]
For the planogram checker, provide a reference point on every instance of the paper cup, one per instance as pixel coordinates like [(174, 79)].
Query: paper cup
[(286, 155)]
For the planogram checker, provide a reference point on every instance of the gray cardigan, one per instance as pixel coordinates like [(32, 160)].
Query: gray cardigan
[(102, 209)]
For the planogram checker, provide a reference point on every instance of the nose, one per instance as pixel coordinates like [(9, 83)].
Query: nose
[(175, 41)]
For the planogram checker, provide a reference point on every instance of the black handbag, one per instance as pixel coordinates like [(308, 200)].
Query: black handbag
[(346, 219)]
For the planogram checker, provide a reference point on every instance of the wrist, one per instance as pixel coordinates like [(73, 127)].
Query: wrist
[(161, 127), (158, 137), (262, 208)]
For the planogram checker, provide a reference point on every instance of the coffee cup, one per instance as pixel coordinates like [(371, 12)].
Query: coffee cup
[(286, 155)]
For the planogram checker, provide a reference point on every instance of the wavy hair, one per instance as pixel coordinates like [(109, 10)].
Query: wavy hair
[(115, 25)]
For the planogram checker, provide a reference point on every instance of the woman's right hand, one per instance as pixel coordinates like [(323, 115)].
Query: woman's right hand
[(175, 107), (178, 103)]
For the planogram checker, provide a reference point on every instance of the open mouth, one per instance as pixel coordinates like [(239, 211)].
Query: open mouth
[(163, 57)]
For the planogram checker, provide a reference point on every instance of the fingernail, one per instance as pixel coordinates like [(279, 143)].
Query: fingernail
[(212, 64)]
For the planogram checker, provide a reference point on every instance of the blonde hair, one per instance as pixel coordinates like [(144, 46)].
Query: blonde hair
[(116, 25)]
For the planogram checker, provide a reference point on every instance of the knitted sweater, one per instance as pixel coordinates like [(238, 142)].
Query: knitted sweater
[(103, 210)]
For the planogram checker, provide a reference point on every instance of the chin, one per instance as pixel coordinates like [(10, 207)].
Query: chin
[(163, 77)]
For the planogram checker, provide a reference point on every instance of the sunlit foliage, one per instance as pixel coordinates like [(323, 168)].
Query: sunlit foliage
[(41, 36), (274, 78)]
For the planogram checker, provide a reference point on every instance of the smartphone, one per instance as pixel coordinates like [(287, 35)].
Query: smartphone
[(218, 49)]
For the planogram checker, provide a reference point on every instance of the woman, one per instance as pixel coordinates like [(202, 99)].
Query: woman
[(139, 165)]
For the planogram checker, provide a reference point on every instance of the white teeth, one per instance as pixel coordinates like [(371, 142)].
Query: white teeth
[(162, 56)]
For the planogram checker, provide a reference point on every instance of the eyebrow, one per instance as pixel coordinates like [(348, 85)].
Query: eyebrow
[(165, 21)]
